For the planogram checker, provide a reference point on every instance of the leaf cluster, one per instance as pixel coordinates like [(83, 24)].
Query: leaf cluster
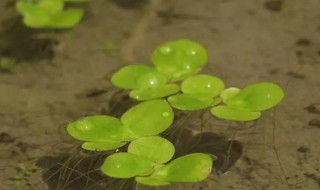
[(172, 82), (48, 13)]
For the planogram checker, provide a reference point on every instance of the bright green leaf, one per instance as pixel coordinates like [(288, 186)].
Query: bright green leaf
[(179, 58), (227, 93), (126, 165), (151, 181), (66, 19), (51, 7), (202, 84), (151, 80), (154, 148), (128, 76), (235, 114), (257, 97), (190, 102), (190, 168), (97, 128), (148, 118), (155, 93), (102, 146)]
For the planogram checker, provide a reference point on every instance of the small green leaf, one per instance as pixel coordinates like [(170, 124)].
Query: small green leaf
[(66, 19), (151, 181), (202, 84), (102, 146), (33, 15), (97, 128), (227, 93), (51, 7), (257, 97), (155, 93), (154, 148), (151, 80), (148, 118), (179, 58), (126, 165), (128, 76), (235, 114), (190, 168), (190, 102)]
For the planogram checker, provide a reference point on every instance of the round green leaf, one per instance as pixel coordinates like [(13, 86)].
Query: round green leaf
[(154, 148), (235, 114), (128, 76), (126, 165), (190, 102), (155, 93), (102, 146), (257, 97), (226, 94), (190, 168), (66, 19), (179, 58), (97, 128), (51, 7), (151, 80), (202, 84), (148, 118), (151, 181)]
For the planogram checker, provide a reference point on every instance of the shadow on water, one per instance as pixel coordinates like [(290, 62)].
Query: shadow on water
[(82, 172), (22, 43)]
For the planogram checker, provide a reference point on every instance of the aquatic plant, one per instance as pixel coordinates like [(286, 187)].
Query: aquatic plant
[(148, 155), (146, 161), (48, 13), (102, 132)]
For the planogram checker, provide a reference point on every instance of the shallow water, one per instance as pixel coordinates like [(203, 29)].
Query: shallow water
[(63, 75)]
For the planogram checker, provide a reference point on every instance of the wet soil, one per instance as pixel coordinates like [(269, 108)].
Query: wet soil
[(60, 76)]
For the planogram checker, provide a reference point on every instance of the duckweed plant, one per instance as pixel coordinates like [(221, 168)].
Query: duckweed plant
[(148, 156), (49, 13)]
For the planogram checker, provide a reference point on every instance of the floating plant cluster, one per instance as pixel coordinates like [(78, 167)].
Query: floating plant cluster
[(172, 83)]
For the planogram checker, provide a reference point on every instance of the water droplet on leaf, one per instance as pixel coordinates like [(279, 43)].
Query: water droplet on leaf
[(165, 114)]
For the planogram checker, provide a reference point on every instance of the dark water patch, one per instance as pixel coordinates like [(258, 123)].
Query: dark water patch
[(226, 152), (80, 172), (22, 43), (131, 4), (119, 103), (303, 42), (6, 138), (313, 108), (295, 75), (314, 123), (274, 5)]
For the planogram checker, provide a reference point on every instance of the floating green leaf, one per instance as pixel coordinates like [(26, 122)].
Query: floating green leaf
[(48, 13), (190, 102), (202, 84), (102, 146), (97, 128), (154, 148), (180, 58), (128, 76), (235, 114), (155, 93), (148, 118), (257, 97), (126, 165), (151, 80), (226, 94), (152, 181), (66, 19), (190, 168)]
